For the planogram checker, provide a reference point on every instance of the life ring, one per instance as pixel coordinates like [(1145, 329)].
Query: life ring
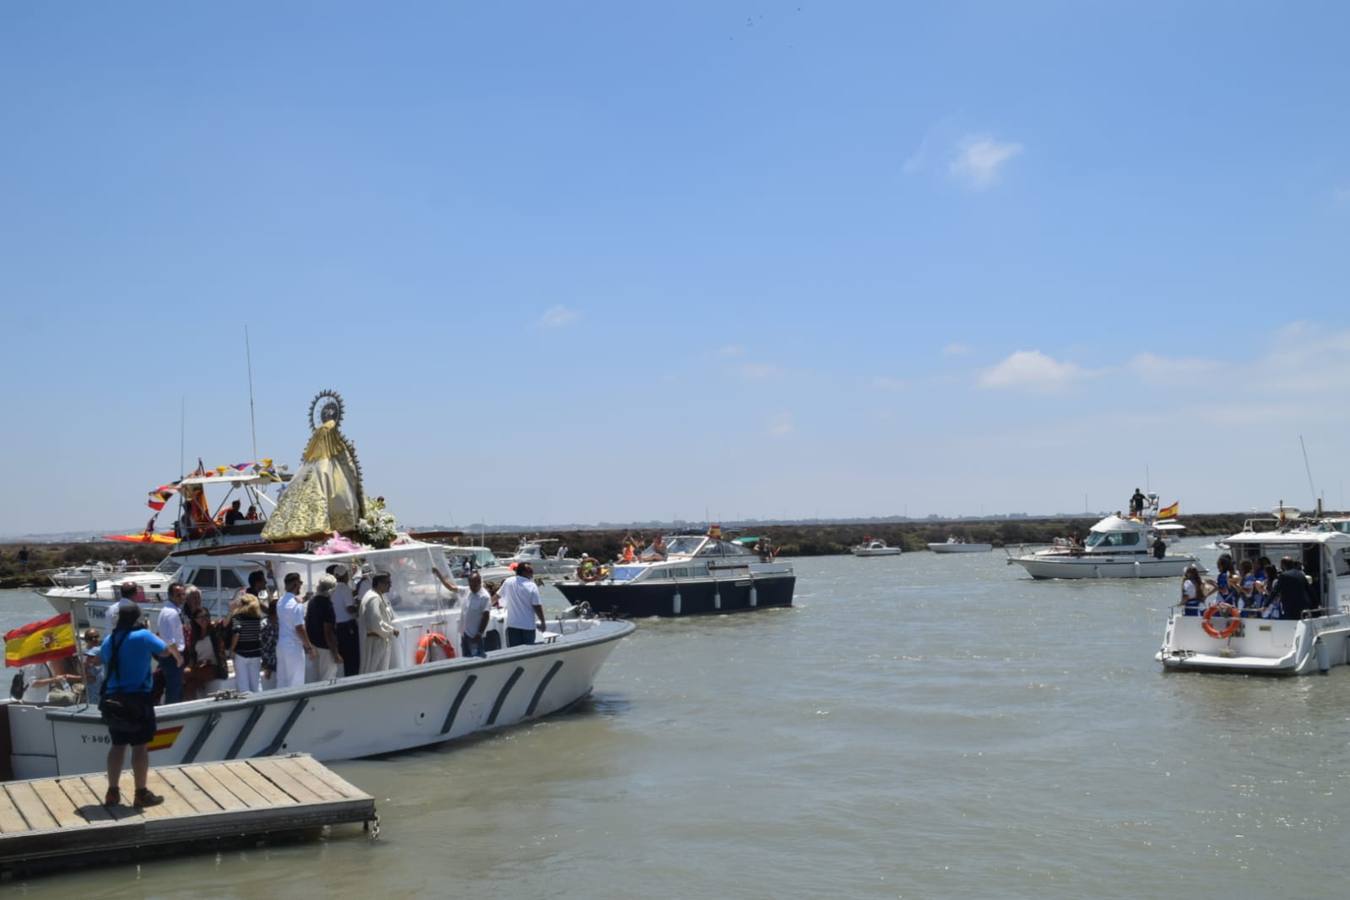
[(589, 569), (1233, 624), (433, 639)]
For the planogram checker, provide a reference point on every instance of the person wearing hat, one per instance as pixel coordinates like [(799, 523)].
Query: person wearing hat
[(125, 701), (344, 613), (321, 628)]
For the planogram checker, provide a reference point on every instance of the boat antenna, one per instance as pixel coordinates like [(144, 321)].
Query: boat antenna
[(182, 429), (252, 422), (1307, 468)]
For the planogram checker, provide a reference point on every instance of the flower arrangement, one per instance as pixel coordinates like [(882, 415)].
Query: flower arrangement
[(377, 527)]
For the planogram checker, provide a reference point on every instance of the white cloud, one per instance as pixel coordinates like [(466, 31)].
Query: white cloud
[(557, 317), (887, 383), (782, 425), (979, 159), (1032, 370), (1156, 369), (956, 348)]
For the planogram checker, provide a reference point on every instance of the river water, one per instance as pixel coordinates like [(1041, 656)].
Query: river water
[(916, 726)]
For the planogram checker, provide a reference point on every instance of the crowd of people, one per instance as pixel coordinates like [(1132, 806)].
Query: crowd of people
[(1251, 589)]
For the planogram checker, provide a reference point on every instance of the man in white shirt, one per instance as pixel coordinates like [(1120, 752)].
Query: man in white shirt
[(474, 601), (292, 640), (169, 627), (520, 595), (344, 610)]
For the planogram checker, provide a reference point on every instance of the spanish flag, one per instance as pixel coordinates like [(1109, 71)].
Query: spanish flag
[(39, 642), (1170, 512), (164, 738)]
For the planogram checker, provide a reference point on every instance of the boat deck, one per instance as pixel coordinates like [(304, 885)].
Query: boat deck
[(50, 822)]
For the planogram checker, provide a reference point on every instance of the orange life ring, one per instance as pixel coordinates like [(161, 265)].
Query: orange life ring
[(433, 639), (1233, 624)]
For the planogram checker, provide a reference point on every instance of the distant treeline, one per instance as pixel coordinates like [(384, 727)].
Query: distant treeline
[(792, 540)]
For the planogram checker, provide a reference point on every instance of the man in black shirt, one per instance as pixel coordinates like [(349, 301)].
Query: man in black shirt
[(1137, 502), (1291, 590), (321, 628)]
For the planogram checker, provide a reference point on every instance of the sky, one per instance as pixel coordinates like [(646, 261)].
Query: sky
[(582, 262)]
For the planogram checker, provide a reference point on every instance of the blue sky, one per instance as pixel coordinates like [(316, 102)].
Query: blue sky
[(585, 261)]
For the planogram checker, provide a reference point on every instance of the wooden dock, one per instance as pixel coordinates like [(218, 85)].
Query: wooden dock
[(56, 821)]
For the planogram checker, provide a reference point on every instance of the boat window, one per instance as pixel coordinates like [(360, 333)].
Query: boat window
[(712, 548), (734, 549), (1113, 539), (686, 544), (625, 573), (1342, 559), (168, 565), (230, 579), (204, 578)]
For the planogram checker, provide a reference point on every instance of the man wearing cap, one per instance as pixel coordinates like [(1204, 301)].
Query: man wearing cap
[(344, 611), (126, 704), (520, 595), (169, 627)]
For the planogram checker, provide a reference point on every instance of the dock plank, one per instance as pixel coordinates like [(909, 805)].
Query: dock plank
[(59, 805), (174, 805), (292, 767), (90, 807), (11, 820), (240, 788), (265, 788), (282, 779), (30, 804), (98, 786), (194, 795), (335, 781), (211, 787)]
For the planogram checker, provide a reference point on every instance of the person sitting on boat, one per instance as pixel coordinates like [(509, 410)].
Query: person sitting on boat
[(656, 552), (520, 595), (1159, 547), (1075, 542), (252, 514), (628, 551), (1226, 583), (1194, 591), (234, 514)]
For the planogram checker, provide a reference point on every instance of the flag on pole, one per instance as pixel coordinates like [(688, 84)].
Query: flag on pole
[(40, 642), (1170, 512)]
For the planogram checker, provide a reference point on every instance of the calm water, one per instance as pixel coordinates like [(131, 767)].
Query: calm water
[(917, 726)]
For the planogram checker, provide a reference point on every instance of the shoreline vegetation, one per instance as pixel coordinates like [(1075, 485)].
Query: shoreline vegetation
[(791, 540)]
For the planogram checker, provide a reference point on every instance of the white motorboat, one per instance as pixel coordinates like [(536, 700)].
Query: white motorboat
[(698, 574), (875, 548), (412, 705), (959, 545), (1315, 641), (1116, 547), (72, 576), (555, 565)]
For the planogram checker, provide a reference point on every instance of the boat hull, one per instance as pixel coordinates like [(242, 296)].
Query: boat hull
[(1260, 647), (885, 551), (960, 548), (688, 598), (347, 718), (1101, 566)]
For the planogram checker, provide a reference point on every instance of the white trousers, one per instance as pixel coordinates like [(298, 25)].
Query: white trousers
[(375, 655), (248, 674), (290, 665), (322, 667)]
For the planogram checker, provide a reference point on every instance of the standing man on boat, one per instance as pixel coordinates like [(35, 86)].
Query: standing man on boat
[(344, 610), (292, 641), (377, 621), (126, 704), (473, 612), (1137, 502), (523, 606), (169, 627), (321, 628)]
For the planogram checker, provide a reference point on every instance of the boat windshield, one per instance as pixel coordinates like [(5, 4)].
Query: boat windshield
[(168, 565), (625, 573), (1112, 539), (413, 588), (686, 544)]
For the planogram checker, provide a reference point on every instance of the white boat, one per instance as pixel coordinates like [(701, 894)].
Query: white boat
[(555, 565), (875, 548), (699, 574), (410, 706), (958, 545), (1316, 641), (71, 576), (1116, 547)]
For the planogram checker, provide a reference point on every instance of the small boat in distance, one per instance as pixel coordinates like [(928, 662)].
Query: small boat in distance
[(555, 565), (958, 545), (875, 548)]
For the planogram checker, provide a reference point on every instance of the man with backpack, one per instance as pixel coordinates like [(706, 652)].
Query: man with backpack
[(127, 707)]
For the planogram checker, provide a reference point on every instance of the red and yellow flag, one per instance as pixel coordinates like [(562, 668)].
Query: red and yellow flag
[(1170, 512), (39, 642), (164, 738)]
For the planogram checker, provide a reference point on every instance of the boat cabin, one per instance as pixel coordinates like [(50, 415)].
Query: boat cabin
[(1324, 555)]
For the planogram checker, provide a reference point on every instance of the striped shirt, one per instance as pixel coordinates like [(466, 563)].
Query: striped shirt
[(249, 631)]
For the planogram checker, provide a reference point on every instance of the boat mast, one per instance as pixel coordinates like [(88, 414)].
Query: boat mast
[(252, 422)]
